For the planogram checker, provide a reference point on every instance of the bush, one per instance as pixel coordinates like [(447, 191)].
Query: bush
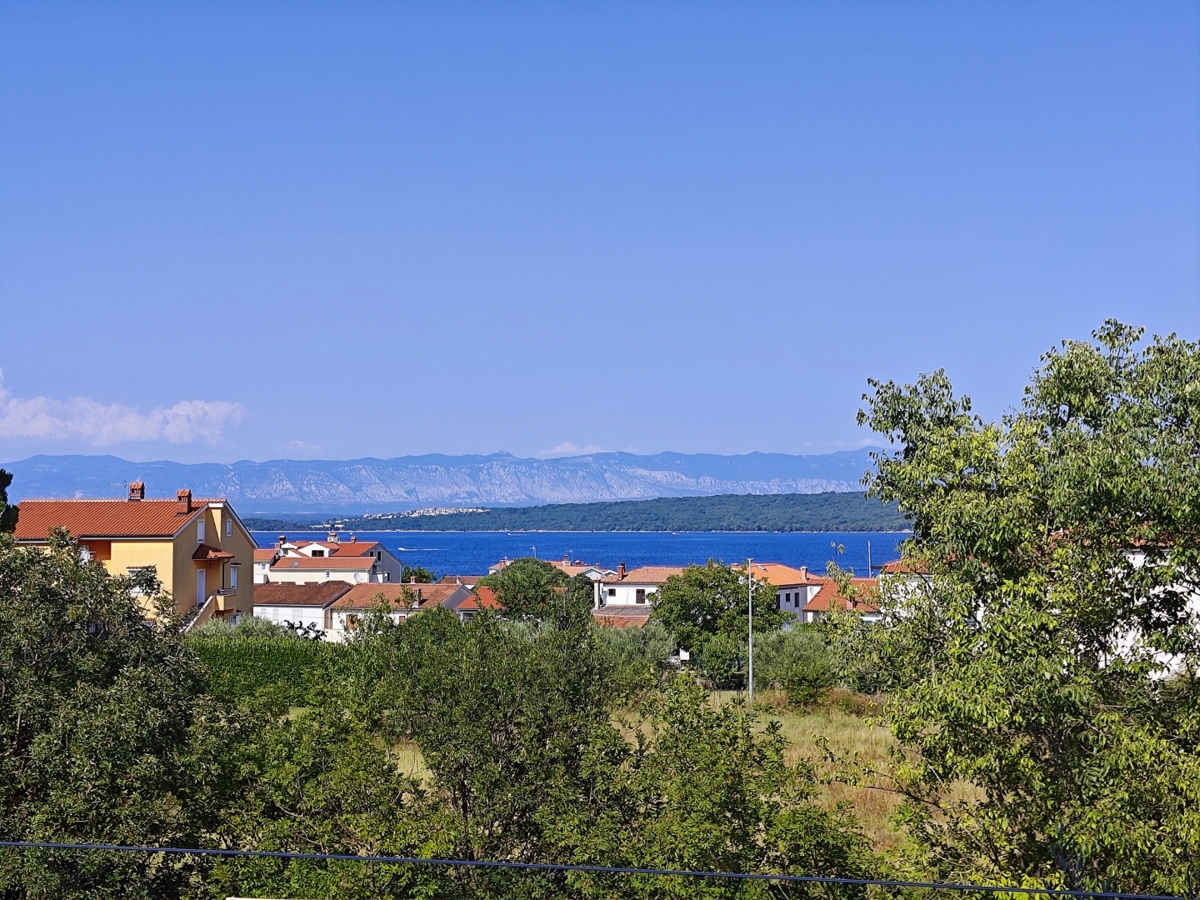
[(796, 661), (637, 657)]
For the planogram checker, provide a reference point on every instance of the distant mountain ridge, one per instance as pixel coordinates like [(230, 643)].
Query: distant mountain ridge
[(298, 487)]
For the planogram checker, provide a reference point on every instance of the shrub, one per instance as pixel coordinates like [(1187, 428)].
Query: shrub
[(796, 661)]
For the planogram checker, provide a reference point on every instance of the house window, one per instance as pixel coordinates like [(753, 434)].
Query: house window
[(228, 527), (318, 553), (233, 576), (200, 531), (326, 576), (612, 592), (351, 622), (641, 595)]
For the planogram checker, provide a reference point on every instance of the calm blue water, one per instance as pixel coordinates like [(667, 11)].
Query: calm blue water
[(470, 553)]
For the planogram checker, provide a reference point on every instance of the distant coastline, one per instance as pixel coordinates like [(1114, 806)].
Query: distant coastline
[(731, 513)]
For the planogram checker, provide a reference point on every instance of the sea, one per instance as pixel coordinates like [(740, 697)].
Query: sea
[(471, 552)]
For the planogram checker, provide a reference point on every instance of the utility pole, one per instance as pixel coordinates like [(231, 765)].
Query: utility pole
[(750, 647)]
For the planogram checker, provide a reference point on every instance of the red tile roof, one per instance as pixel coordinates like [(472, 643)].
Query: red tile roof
[(281, 594), (343, 548), (645, 575), (264, 555), (903, 567), (105, 518), (615, 617), (206, 552), (779, 575), (399, 596), (486, 597), (829, 596), (333, 563), (462, 579)]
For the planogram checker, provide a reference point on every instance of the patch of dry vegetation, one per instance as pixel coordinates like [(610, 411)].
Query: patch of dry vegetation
[(850, 726)]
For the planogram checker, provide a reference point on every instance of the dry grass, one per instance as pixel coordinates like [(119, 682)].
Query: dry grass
[(849, 724), (408, 759)]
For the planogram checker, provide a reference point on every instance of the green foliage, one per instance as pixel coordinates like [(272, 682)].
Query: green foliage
[(495, 707), (637, 658), (797, 661), (8, 513), (1048, 659), (706, 608), (703, 787), (321, 783), (107, 731), (728, 512), (256, 655), (417, 574), (111, 738), (533, 588)]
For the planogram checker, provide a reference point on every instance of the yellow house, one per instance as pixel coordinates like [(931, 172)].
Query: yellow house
[(199, 549)]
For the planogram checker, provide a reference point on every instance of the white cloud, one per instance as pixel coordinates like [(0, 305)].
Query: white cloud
[(566, 448), (102, 425)]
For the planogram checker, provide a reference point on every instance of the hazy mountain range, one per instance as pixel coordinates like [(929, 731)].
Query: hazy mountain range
[(297, 487)]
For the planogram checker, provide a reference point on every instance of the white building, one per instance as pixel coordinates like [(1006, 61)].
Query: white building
[(865, 603), (634, 588), (263, 560), (335, 559), (793, 587), (298, 605)]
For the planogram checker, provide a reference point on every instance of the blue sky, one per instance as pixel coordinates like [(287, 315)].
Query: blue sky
[(250, 230)]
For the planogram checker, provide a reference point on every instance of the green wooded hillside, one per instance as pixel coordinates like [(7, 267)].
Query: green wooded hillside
[(727, 512)]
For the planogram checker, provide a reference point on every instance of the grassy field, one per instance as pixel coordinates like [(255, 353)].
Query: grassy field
[(848, 724)]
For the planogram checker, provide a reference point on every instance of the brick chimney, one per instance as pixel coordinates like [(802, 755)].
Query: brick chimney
[(185, 500), (333, 537), (621, 570), (353, 539), (137, 490), (282, 540), (804, 572)]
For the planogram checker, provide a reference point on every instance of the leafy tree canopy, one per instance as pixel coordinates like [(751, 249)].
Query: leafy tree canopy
[(533, 588), (418, 574), (1049, 658), (8, 513), (710, 600), (108, 734)]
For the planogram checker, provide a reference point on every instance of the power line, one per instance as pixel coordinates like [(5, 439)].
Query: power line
[(602, 870)]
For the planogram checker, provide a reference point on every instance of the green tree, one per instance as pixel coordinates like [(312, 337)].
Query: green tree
[(796, 661), (1048, 662), (417, 574), (322, 783), (500, 711), (108, 734), (534, 588), (8, 513), (706, 787), (638, 658), (710, 601)]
